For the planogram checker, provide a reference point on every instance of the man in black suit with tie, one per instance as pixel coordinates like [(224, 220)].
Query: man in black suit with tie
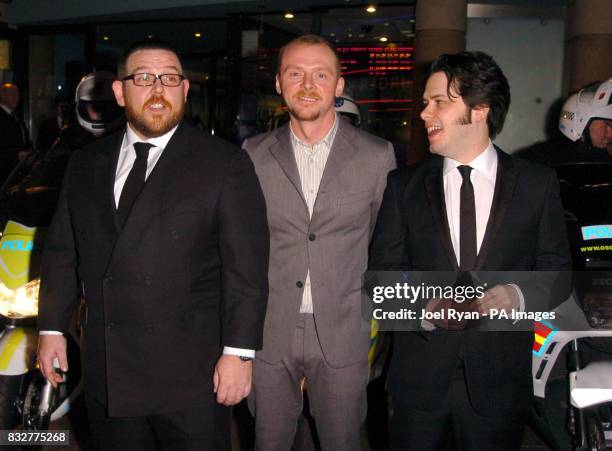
[(13, 132), (469, 207), (163, 231)]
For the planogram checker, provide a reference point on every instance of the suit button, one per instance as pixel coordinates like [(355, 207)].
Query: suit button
[(108, 279), (299, 284), (175, 235), (147, 328), (148, 280), (110, 325), (312, 237)]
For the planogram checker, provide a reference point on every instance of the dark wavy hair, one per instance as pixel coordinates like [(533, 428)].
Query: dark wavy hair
[(478, 79), (145, 44)]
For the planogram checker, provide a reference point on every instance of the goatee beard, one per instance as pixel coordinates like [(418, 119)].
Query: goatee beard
[(306, 114), (158, 125)]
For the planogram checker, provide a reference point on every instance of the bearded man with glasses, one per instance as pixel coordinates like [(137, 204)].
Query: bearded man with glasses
[(162, 230)]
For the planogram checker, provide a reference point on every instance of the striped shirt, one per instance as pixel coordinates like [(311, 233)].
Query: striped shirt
[(311, 160)]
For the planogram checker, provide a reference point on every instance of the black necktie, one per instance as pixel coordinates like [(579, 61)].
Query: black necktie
[(467, 222), (134, 182)]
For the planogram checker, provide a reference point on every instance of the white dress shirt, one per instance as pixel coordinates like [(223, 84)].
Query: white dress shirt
[(483, 177), (127, 157), (311, 161), (6, 109)]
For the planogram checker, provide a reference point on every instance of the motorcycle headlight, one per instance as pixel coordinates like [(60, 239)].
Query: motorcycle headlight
[(20, 303)]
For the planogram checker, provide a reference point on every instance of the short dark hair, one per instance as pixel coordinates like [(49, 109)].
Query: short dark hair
[(145, 44), (478, 79), (308, 39)]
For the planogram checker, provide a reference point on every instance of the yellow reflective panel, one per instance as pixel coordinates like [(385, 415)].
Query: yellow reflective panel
[(16, 247)]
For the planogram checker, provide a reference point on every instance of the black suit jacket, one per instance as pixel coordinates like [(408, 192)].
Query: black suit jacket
[(526, 232), (185, 276), (13, 137)]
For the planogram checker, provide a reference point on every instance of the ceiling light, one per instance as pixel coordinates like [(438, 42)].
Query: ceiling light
[(289, 15), (371, 9), (383, 39), (198, 35), (106, 38)]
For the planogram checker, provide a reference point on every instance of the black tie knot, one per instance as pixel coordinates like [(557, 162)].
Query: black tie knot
[(142, 150), (465, 171)]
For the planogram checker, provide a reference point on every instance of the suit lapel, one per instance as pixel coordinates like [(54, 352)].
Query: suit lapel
[(104, 185), (341, 152), (434, 187), (282, 150), (505, 183)]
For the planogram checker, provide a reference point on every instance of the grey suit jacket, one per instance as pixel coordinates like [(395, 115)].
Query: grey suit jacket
[(334, 244)]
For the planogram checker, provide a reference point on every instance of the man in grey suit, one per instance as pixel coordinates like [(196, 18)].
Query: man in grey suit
[(323, 182)]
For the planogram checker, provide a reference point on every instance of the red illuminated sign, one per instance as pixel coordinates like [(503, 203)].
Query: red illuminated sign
[(376, 60)]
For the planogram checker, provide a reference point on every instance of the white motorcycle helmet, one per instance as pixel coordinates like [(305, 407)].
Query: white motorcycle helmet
[(592, 102), (96, 108), (345, 105)]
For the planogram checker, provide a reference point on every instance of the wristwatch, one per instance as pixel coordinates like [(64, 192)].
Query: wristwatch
[(244, 358)]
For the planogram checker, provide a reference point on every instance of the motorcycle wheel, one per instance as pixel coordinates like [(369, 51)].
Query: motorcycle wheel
[(9, 391), (33, 419)]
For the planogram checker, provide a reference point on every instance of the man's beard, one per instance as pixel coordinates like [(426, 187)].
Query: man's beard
[(158, 125), (305, 114)]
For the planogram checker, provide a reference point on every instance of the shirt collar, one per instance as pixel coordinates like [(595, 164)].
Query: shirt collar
[(327, 140), (161, 141), (7, 109), (485, 163)]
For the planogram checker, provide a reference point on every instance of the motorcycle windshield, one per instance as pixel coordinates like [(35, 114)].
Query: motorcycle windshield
[(586, 193)]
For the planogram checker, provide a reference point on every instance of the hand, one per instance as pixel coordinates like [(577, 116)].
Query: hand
[(232, 379), (500, 297), (443, 306), (52, 347)]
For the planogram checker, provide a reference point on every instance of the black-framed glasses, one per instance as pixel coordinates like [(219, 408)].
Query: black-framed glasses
[(146, 79)]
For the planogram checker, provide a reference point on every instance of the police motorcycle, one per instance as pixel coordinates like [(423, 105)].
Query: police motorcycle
[(27, 202), (572, 354)]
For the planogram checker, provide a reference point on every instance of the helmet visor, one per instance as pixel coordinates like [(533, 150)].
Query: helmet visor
[(99, 111)]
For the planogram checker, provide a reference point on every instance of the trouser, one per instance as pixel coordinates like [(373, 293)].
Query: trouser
[(456, 422), (337, 396), (202, 429)]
